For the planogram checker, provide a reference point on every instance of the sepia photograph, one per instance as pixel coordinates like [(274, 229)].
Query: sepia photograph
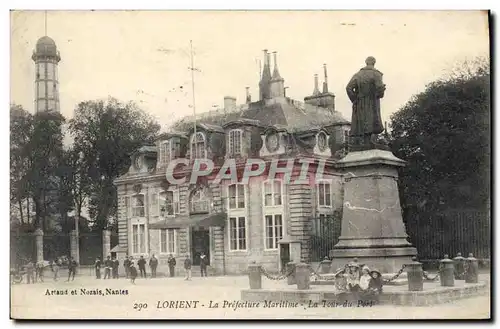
[(250, 164)]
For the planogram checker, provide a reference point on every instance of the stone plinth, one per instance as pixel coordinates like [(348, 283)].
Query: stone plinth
[(106, 243), (39, 244), (372, 224), (397, 295)]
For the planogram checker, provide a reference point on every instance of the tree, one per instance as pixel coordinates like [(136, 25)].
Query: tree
[(45, 153), (105, 134), (444, 135), (21, 130)]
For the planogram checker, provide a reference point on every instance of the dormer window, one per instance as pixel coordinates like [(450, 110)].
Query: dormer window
[(165, 152), (346, 136), (235, 141), (321, 140), (272, 141), (198, 149)]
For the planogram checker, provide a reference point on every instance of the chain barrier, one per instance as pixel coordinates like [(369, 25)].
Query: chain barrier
[(276, 277), (427, 277), (317, 276), (394, 277)]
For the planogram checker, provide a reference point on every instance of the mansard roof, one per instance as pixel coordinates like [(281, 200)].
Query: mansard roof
[(294, 115)]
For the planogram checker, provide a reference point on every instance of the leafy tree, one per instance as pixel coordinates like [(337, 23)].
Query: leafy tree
[(444, 135), (105, 133), (45, 149), (35, 151), (21, 130)]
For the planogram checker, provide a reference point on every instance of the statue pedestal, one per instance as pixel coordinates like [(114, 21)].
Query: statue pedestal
[(372, 224)]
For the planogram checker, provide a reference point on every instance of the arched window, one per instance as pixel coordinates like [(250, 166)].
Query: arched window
[(198, 147), (199, 202)]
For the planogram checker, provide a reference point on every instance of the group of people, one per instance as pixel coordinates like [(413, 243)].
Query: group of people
[(35, 271), (359, 280), (134, 268)]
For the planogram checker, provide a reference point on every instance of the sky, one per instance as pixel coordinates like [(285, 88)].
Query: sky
[(143, 56)]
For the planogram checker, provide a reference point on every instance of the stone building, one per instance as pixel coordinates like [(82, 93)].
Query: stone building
[(264, 219)]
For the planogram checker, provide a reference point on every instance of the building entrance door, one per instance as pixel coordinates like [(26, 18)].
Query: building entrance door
[(200, 242)]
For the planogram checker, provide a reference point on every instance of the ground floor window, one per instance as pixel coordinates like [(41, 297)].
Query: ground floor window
[(237, 233), (168, 238), (274, 230), (138, 238)]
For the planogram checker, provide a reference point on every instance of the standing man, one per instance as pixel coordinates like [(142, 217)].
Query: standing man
[(171, 265), (126, 265), (132, 272), (365, 89), (203, 264), (141, 263), (97, 266), (108, 264), (153, 264), (187, 267), (39, 270), (71, 268), (55, 268), (116, 265)]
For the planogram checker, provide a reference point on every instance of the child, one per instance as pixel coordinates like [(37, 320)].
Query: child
[(352, 277), (132, 272), (364, 280), (376, 282)]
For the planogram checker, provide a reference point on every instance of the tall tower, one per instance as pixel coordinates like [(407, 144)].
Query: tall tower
[(46, 58)]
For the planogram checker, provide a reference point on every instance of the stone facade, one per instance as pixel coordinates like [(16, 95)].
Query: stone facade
[(161, 218)]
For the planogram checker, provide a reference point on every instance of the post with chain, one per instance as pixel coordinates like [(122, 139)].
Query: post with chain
[(325, 265), (290, 268), (415, 275), (447, 272), (255, 276), (472, 271), (302, 276), (459, 267)]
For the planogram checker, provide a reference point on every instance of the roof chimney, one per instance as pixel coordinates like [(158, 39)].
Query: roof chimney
[(264, 84), (276, 74), (316, 89), (229, 103), (325, 83), (248, 97)]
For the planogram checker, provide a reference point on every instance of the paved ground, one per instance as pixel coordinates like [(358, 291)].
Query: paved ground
[(155, 296)]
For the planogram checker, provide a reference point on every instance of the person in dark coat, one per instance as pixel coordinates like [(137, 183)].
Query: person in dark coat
[(187, 267), (132, 272), (56, 265), (97, 266), (116, 265), (141, 263), (376, 282), (72, 264), (126, 266), (108, 265), (203, 264), (153, 264), (40, 267), (171, 265)]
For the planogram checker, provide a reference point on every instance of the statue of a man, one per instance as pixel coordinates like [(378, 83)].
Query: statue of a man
[(365, 90)]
